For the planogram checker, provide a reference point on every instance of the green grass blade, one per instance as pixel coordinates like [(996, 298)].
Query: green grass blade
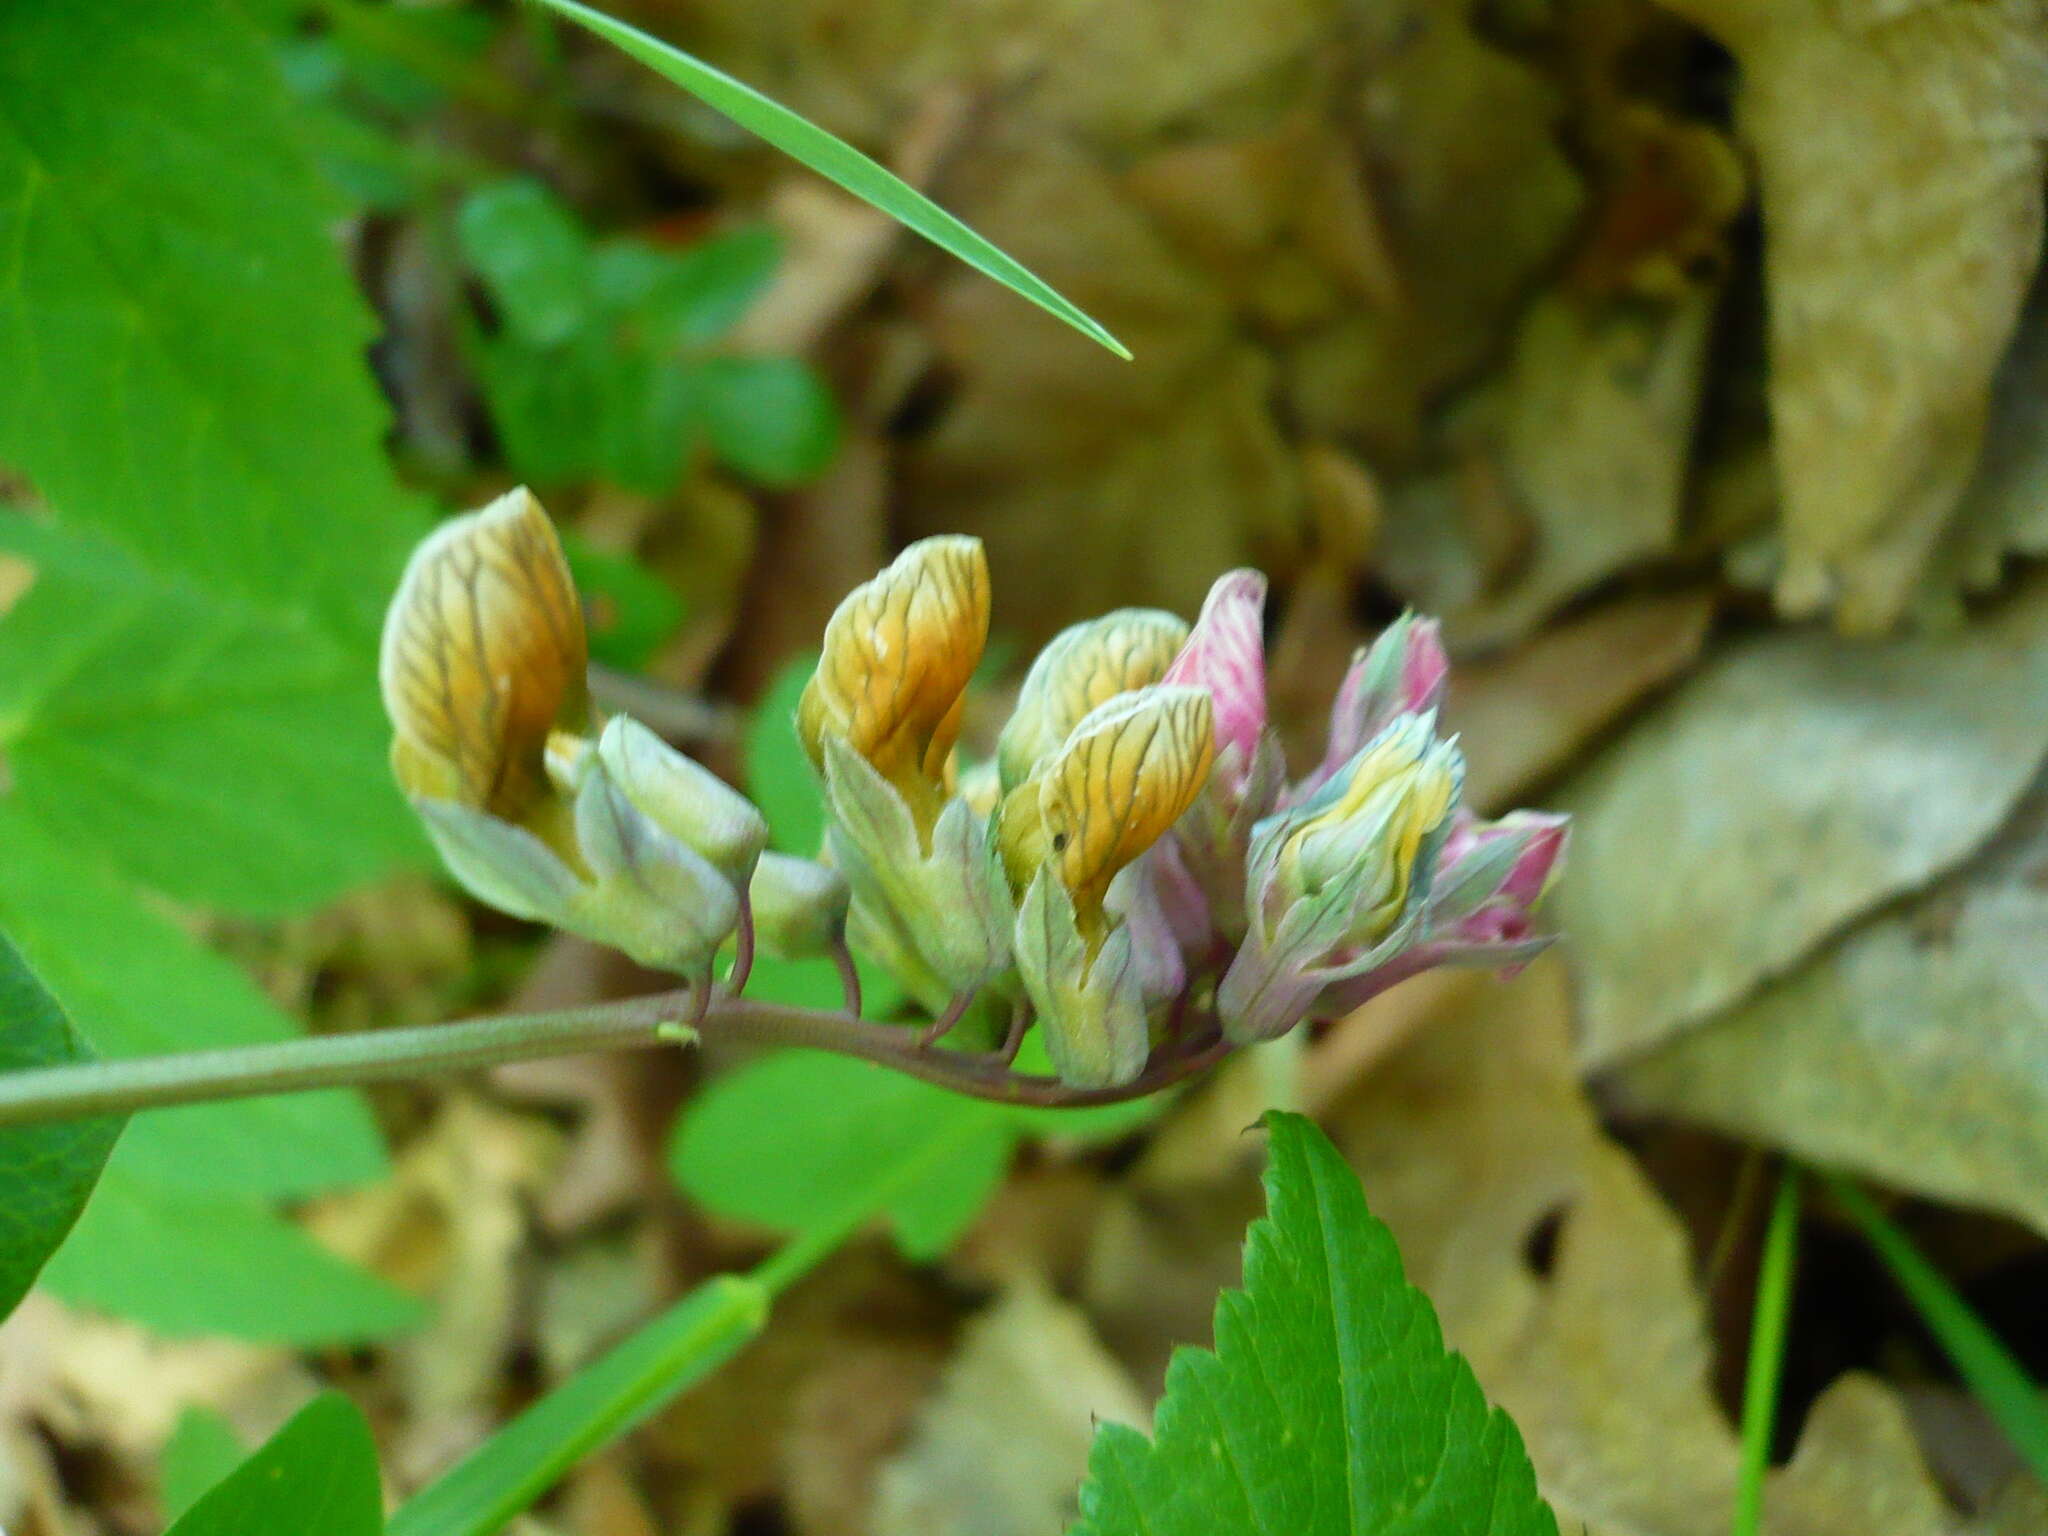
[(833, 159), (1998, 1380), (481, 1493), (1766, 1353)]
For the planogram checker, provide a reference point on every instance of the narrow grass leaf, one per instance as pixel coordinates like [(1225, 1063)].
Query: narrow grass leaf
[(1767, 1353), (2001, 1384), (518, 1464), (835, 160)]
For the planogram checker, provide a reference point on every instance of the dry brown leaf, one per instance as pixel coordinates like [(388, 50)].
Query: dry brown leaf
[(1523, 717), (1002, 1446), (1793, 784), (1472, 1138), (1916, 1050), (1899, 150)]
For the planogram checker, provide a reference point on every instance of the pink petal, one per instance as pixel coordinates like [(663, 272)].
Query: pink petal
[(1226, 654)]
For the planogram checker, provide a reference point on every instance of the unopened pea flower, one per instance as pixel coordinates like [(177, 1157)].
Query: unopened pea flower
[(799, 906), (621, 839), (1084, 666), (1401, 673), (879, 718), (1490, 877), (892, 674), (1125, 774), (1340, 883), (1225, 655)]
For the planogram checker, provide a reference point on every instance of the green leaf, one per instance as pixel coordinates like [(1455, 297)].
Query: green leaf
[(533, 255), (46, 1171), (221, 754), (630, 610), (796, 1138), (315, 1477), (132, 984), (1999, 1381), (701, 294), (523, 1460), (779, 776), (190, 1264), (185, 348), (1330, 1404), (770, 418), (833, 159), (202, 1450), (548, 406)]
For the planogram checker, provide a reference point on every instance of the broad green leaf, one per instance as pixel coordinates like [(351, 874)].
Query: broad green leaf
[(770, 418), (549, 407), (779, 776), (189, 1264), (1330, 1404), (650, 405), (523, 1460), (700, 294), (185, 349), (202, 1450), (134, 985), (796, 1138), (219, 753), (315, 1477), (533, 255), (630, 611), (833, 159), (46, 1171)]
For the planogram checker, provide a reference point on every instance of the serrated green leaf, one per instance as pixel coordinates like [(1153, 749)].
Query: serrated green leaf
[(46, 1171), (1330, 1404), (522, 1461), (315, 1477), (191, 1265), (779, 776), (201, 1451), (835, 160), (185, 349), (770, 418), (533, 255)]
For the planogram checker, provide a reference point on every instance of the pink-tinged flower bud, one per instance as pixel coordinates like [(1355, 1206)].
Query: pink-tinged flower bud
[(1490, 876), (1341, 883), (1400, 673), (1226, 654)]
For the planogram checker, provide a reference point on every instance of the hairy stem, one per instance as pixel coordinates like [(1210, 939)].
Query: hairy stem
[(384, 1055)]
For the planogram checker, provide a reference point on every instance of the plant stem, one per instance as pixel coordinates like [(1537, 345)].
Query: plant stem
[(1766, 1352), (383, 1055)]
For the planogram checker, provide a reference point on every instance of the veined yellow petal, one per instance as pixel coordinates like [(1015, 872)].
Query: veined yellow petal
[(1085, 666), (483, 654), (1128, 772), (897, 656)]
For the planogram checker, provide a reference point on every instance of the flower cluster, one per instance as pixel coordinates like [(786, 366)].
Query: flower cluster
[(1133, 855)]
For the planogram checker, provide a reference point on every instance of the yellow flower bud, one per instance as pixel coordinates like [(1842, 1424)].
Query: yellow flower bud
[(892, 679), (1125, 775), (1085, 666), (483, 655), (1373, 817)]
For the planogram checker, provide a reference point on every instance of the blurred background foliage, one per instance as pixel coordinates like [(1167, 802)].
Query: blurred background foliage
[(1689, 360)]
